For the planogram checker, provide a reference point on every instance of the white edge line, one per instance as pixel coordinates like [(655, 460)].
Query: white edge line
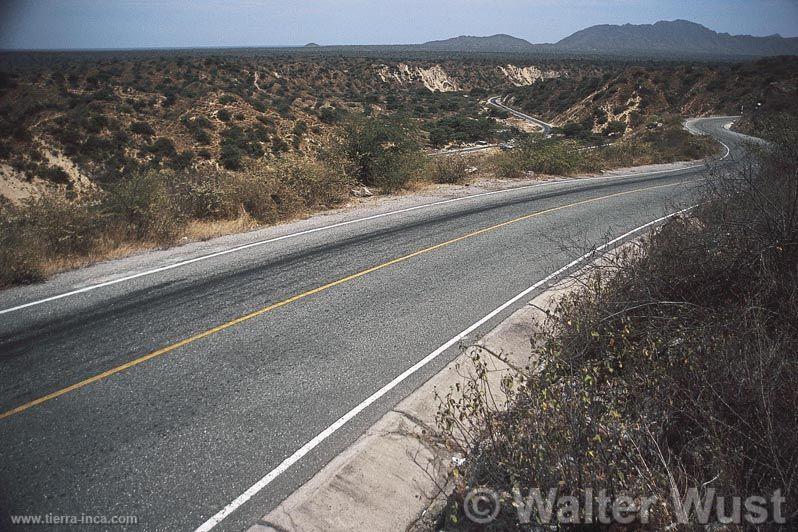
[(326, 433), (332, 226)]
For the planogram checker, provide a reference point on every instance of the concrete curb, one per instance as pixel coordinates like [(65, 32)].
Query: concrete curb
[(396, 473)]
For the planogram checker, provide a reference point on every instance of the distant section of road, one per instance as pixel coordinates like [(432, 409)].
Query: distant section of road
[(467, 149), (496, 101), (169, 395)]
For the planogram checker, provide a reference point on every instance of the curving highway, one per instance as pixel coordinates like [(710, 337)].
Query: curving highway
[(496, 101), (169, 386)]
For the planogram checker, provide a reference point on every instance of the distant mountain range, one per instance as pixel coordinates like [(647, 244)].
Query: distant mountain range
[(467, 43), (678, 37)]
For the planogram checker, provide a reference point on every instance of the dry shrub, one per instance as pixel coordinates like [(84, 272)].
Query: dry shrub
[(675, 368), (566, 157), (317, 184), (266, 191), (145, 208), (285, 188), (544, 156), (667, 145), (204, 195), (20, 255), (257, 193), (44, 227), (449, 169), (62, 225), (156, 207), (396, 170), (508, 165)]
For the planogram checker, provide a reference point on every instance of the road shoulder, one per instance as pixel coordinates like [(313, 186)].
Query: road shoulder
[(395, 476)]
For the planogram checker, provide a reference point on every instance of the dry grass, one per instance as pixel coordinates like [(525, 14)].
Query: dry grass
[(103, 252), (200, 230), (154, 209)]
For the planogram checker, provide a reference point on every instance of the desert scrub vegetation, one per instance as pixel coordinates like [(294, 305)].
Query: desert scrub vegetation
[(147, 143), (461, 129), (568, 156), (450, 169), (600, 92), (543, 156), (153, 208), (673, 366), (107, 112), (154, 205)]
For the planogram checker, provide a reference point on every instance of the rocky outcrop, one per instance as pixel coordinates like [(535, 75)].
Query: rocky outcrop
[(521, 76), (433, 78)]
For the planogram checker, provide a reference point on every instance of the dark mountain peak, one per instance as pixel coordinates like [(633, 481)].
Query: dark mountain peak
[(674, 37), (679, 22), (669, 38), (470, 43)]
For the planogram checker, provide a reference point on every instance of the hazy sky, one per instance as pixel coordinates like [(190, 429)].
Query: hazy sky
[(176, 23)]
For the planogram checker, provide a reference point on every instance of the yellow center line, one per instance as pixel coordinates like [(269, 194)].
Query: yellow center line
[(303, 295)]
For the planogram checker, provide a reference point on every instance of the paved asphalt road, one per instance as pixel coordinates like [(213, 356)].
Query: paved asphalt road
[(175, 438)]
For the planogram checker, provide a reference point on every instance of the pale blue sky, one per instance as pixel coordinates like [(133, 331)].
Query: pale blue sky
[(176, 23)]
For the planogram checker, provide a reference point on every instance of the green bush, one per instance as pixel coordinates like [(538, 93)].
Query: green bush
[(549, 156), (615, 127), (202, 137), (237, 143), (396, 169), (162, 147), (574, 130), (499, 113), (381, 151), (279, 146), (142, 128), (231, 156), (55, 174), (330, 115), (460, 128)]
